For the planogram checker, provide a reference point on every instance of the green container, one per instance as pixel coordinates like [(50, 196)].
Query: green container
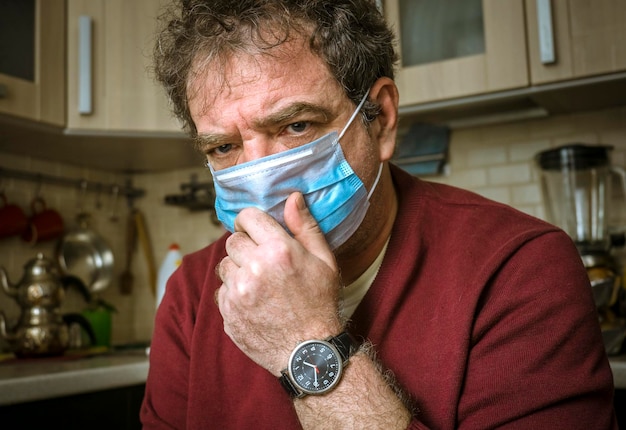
[(100, 320)]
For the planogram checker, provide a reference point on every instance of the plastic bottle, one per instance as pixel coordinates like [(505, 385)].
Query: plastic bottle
[(172, 260)]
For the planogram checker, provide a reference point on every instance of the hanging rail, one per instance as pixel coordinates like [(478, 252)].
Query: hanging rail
[(126, 190)]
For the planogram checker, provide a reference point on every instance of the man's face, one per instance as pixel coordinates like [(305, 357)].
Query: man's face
[(261, 105)]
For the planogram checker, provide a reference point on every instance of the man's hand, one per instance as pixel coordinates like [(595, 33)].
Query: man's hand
[(278, 290)]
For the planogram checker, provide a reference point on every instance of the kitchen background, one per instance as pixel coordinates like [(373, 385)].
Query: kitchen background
[(78, 102), (495, 161), (490, 86)]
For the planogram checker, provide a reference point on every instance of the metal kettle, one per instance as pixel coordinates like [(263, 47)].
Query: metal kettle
[(42, 330)]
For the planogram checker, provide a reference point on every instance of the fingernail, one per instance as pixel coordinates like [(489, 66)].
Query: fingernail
[(300, 202)]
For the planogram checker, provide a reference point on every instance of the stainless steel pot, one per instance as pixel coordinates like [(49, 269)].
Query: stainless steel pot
[(85, 254)]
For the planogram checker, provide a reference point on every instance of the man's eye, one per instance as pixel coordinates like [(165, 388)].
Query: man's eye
[(298, 127), (223, 149)]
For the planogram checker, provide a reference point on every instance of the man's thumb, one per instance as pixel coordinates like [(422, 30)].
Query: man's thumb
[(305, 228)]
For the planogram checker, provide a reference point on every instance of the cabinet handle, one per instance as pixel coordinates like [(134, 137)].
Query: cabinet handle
[(84, 65), (546, 36)]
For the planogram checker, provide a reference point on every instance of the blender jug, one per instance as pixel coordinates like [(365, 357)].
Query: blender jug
[(576, 187)]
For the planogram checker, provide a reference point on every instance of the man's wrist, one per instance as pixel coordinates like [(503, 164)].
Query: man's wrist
[(316, 366), (366, 398)]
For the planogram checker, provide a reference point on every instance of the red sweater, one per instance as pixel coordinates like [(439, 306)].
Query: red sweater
[(484, 315)]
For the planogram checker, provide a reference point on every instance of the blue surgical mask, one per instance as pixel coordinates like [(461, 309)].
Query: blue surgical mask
[(334, 194)]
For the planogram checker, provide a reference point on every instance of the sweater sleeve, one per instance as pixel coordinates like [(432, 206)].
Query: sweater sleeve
[(165, 400), (536, 356)]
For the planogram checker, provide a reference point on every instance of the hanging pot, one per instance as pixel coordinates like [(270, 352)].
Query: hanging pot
[(82, 252)]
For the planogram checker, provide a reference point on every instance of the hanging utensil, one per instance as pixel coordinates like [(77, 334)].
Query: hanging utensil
[(144, 239), (113, 217), (127, 278)]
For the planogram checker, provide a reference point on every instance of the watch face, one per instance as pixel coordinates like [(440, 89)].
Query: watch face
[(315, 366)]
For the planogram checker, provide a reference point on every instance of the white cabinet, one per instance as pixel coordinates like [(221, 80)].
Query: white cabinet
[(32, 60), (587, 38), (123, 96), (457, 48), (128, 125)]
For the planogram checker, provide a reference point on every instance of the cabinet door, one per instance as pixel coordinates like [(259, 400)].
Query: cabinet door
[(588, 38), (32, 68), (457, 48), (123, 95)]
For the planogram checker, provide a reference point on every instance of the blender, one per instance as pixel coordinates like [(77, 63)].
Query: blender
[(576, 183)]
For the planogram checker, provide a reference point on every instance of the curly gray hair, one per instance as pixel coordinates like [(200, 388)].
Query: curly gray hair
[(351, 36)]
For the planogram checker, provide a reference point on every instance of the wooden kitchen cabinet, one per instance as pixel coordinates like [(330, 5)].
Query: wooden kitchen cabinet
[(32, 61), (588, 38), (456, 48), (124, 98)]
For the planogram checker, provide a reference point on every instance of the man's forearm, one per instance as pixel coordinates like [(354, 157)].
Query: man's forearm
[(365, 398)]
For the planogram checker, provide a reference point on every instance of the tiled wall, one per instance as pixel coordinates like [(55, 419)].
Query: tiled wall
[(495, 161), (167, 224)]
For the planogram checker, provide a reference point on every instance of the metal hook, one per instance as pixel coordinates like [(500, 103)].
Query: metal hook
[(38, 186), (130, 198), (81, 198), (98, 196), (115, 191)]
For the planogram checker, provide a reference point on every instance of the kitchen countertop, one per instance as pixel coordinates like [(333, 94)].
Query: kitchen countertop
[(37, 379), (24, 381)]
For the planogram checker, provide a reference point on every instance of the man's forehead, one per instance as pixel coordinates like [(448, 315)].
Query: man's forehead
[(263, 79), (229, 68)]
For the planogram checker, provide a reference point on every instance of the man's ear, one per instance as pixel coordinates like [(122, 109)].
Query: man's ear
[(385, 93)]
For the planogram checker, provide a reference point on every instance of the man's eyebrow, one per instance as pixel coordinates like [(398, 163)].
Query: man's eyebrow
[(291, 112), (204, 140), (282, 116)]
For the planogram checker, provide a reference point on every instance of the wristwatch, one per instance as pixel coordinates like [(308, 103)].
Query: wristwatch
[(316, 366)]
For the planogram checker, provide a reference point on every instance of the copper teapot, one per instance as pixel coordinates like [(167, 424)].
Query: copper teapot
[(41, 330)]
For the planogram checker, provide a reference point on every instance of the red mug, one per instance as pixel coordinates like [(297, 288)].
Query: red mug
[(13, 220), (45, 224)]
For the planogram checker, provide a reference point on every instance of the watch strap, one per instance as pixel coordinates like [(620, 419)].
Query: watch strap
[(346, 344), (291, 389)]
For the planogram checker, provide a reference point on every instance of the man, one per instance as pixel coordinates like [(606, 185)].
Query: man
[(350, 294)]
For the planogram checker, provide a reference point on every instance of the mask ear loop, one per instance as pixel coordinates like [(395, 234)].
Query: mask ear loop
[(356, 112), (380, 171)]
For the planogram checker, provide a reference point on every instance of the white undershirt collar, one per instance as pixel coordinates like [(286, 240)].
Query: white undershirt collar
[(352, 294)]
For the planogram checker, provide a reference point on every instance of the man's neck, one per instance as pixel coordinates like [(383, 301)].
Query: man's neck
[(354, 264)]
